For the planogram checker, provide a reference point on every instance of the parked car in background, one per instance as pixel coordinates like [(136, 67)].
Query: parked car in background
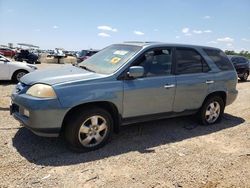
[(12, 70), (85, 54), (242, 66), (26, 55), (7, 52), (123, 84)]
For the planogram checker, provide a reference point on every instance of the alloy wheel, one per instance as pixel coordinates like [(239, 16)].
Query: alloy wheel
[(212, 112), (93, 131)]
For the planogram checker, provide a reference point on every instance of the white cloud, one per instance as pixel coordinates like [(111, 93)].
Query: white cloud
[(225, 39), (185, 30), (138, 33), (229, 44), (177, 37), (212, 42), (197, 31), (104, 35), (207, 31), (245, 40), (55, 27), (200, 31), (207, 17), (156, 30), (107, 28), (38, 30)]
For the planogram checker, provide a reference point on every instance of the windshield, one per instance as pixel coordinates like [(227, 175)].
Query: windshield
[(110, 59), (4, 58)]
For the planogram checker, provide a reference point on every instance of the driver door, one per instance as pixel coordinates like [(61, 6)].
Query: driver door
[(154, 92)]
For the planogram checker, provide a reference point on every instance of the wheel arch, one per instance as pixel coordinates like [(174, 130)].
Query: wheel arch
[(16, 71), (221, 94), (106, 105)]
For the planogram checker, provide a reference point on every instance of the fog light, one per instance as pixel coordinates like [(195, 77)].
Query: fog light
[(26, 112)]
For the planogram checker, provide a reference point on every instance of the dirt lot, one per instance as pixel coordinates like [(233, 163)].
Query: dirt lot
[(168, 153)]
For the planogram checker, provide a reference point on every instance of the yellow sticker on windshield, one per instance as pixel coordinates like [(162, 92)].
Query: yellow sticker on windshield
[(115, 60)]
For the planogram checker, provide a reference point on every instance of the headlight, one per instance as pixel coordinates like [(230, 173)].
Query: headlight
[(41, 91)]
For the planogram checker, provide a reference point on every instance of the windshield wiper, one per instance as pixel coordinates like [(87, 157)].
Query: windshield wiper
[(86, 68)]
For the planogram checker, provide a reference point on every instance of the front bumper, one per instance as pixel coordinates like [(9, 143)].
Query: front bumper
[(44, 117)]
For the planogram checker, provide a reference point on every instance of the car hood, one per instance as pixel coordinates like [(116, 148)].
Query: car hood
[(22, 64), (59, 75)]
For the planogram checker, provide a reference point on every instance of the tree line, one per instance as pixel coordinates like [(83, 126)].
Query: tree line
[(241, 53)]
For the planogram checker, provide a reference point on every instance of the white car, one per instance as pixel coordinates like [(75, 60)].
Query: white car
[(13, 70)]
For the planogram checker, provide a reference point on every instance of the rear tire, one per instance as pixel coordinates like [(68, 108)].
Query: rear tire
[(88, 129), (211, 111), (245, 76)]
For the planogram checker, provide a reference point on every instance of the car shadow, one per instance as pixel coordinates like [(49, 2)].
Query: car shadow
[(4, 109), (6, 82), (240, 81), (140, 137)]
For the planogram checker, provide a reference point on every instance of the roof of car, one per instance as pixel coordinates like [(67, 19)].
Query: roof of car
[(153, 43), (231, 56)]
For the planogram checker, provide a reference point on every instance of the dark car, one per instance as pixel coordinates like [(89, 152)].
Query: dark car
[(241, 65), (85, 54), (25, 55), (7, 52)]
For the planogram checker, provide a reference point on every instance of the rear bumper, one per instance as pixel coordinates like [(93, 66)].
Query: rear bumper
[(231, 96)]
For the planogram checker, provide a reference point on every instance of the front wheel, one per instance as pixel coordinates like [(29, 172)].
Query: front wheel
[(212, 110), (88, 129), (18, 75)]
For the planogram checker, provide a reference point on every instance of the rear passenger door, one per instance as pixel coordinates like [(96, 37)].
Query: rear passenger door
[(192, 79)]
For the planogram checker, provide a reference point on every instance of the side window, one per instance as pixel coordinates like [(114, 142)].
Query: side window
[(242, 60), (156, 62), (234, 60), (220, 59), (189, 61)]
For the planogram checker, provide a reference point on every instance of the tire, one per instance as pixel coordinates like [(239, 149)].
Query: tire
[(211, 111), (88, 129), (245, 76), (18, 75)]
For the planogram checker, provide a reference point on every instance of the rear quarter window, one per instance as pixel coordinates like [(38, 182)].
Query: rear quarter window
[(220, 59)]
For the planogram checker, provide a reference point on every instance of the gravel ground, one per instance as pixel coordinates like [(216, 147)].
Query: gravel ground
[(168, 153)]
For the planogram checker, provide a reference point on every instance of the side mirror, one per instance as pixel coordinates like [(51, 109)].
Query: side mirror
[(135, 72)]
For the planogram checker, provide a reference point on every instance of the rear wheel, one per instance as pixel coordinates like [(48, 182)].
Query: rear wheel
[(245, 76), (88, 129), (18, 75), (212, 110)]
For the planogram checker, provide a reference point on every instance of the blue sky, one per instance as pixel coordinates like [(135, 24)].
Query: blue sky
[(80, 24)]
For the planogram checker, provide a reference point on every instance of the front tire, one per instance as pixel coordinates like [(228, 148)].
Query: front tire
[(18, 75), (88, 130), (211, 111)]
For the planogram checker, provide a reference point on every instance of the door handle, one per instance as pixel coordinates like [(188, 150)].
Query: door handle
[(209, 82), (167, 86)]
